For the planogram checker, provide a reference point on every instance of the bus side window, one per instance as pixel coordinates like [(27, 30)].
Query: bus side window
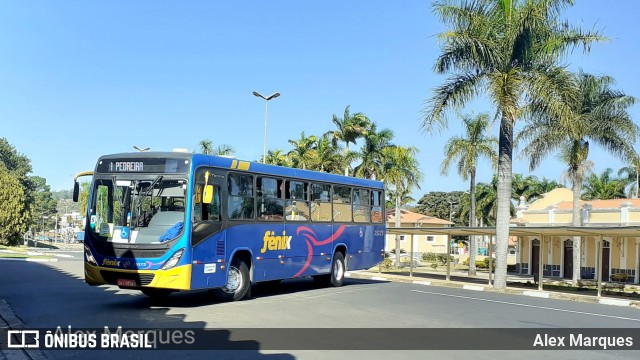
[(240, 204), (376, 208), (342, 210), (361, 208), (320, 202), (297, 206), (270, 205)]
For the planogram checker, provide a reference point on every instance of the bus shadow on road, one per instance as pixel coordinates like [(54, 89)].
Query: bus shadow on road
[(64, 300), (199, 298)]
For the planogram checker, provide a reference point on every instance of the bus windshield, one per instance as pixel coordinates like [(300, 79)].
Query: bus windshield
[(144, 210)]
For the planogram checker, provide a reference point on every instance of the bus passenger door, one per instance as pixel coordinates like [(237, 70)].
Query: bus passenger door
[(207, 238)]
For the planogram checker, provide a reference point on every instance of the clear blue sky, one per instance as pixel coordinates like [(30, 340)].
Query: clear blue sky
[(79, 79)]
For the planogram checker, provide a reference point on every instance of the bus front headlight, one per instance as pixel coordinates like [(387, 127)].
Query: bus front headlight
[(89, 256), (173, 260)]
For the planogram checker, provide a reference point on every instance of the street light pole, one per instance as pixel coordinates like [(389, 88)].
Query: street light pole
[(451, 210), (266, 102)]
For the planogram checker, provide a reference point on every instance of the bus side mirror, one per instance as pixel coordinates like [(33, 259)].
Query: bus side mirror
[(76, 191), (207, 196)]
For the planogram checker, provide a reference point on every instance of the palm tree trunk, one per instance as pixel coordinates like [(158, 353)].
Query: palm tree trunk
[(576, 221), (473, 246), (505, 153), (346, 168), (398, 214)]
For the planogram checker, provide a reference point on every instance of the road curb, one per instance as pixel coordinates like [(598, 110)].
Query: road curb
[(509, 290), (30, 259), (9, 321)]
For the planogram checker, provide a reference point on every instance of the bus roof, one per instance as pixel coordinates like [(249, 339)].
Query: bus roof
[(241, 165)]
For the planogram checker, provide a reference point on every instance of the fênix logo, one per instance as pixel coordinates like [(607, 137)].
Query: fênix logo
[(21, 339), (110, 262), (272, 242)]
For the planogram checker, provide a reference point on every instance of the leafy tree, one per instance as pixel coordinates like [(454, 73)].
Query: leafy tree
[(44, 204), (349, 128), (18, 166), (441, 204), (13, 212), (508, 50), (592, 112), (466, 151), (603, 187)]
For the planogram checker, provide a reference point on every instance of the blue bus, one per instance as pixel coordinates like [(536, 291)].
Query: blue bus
[(163, 222)]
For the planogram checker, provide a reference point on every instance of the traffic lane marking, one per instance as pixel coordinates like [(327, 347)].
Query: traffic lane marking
[(527, 305)]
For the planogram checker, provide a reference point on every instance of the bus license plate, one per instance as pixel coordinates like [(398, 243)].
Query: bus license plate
[(126, 282)]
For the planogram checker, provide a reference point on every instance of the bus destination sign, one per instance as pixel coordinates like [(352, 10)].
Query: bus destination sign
[(128, 166), (144, 165)]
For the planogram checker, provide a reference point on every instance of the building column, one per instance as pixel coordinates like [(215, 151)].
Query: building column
[(637, 262)]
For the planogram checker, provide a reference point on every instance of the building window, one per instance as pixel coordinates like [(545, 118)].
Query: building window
[(402, 238), (431, 238)]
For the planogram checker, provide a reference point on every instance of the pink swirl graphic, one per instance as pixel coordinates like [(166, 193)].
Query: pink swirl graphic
[(312, 241)]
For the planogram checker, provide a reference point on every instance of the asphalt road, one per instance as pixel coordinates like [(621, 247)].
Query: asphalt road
[(54, 294)]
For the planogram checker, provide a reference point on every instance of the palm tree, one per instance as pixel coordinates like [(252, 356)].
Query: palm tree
[(508, 50), (405, 198), (303, 152), (401, 173), (277, 157), (542, 187), (349, 129), (631, 177), (466, 151), (206, 147), (603, 187), (371, 165), (594, 112), (327, 156)]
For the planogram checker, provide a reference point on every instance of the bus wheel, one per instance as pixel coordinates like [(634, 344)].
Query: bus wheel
[(238, 282), (156, 293), (337, 270)]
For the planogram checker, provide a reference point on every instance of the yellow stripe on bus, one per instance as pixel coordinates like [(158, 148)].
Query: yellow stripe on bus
[(243, 165), (234, 163)]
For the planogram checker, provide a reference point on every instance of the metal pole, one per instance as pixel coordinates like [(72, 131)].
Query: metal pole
[(447, 257), (599, 264), (490, 251), (540, 263), (411, 258), (264, 150)]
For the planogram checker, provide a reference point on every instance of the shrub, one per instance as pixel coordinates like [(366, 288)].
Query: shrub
[(430, 257), (442, 258)]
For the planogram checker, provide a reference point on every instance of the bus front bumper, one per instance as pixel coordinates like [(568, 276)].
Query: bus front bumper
[(177, 278)]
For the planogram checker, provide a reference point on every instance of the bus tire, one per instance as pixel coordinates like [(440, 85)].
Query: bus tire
[(156, 293), (238, 282), (338, 269)]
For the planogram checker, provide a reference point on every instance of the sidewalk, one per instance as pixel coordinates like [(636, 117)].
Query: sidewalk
[(516, 284)]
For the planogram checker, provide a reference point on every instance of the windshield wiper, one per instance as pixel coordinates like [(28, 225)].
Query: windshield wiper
[(139, 199)]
